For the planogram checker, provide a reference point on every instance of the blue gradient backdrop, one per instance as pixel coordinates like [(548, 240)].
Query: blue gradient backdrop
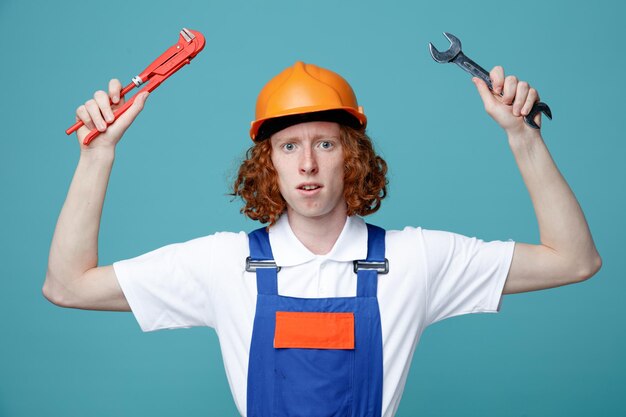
[(551, 353)]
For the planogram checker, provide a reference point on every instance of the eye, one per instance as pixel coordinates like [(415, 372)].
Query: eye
[(289, 147), (326, 144)]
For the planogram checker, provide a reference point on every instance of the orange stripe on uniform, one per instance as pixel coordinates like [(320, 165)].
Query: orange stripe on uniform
[(314, 330)]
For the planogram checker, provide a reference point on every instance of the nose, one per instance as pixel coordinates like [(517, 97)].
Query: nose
[(308, 162)]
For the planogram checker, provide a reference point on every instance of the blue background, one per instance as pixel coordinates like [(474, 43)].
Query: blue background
[(549, 353)]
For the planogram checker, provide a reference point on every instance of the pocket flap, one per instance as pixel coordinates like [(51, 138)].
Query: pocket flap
[(314, 330)]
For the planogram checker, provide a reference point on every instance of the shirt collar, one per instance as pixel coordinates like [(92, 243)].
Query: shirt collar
[(289, 251)]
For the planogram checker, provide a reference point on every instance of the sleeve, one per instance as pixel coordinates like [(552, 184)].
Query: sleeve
[(170, 287), (464, 275)]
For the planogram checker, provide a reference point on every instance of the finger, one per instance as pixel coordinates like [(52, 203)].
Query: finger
[(94, 112), (497, 79), (521, 95), (532, 98), (115, 88), (102, 99), (129, 115), (485, 94), (83, 115), (510, 88)]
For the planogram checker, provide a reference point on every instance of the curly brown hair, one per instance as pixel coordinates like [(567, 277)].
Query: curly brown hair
[(365, 181)]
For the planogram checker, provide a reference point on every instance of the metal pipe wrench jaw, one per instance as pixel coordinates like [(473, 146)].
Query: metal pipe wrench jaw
[(538, 107), (448, 55), (190, 43)]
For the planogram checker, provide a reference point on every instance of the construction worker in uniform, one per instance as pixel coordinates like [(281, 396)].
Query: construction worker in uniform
[(317, 312)]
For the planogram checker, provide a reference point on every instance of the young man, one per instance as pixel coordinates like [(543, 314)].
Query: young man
[(303, 328)]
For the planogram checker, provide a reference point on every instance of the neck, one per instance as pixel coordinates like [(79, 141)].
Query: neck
[(318, 234)]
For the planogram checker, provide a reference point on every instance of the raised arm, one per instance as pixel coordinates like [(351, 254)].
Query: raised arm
[(566, 253), (73, 278)]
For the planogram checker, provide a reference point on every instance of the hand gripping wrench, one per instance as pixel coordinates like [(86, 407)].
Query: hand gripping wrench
[(454, 54), (190, 43)]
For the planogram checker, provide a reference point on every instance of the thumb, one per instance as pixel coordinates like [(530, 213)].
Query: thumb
[(485, 93), (129, 115)]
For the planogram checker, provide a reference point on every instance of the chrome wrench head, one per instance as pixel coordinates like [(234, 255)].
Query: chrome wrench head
[(538, 107), (447, 56)]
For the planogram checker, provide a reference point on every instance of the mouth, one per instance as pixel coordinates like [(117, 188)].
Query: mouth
[(309, 187)]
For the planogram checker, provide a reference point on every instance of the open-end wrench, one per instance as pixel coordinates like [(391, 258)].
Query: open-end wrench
[(454, 54)]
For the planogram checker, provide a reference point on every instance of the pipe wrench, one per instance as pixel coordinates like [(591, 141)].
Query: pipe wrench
[(455, 55), (190, 43)]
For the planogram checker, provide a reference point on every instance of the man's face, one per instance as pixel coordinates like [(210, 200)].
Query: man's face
[(308, 158)]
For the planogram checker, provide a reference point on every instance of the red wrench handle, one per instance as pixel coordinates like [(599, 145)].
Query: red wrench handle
[(80, 123), (117, 113), (154, 82)]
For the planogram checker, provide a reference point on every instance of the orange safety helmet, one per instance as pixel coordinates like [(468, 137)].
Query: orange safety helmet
[(305, 92)]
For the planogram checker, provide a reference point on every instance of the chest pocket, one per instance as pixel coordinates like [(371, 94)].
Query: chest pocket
[(314, 363)]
